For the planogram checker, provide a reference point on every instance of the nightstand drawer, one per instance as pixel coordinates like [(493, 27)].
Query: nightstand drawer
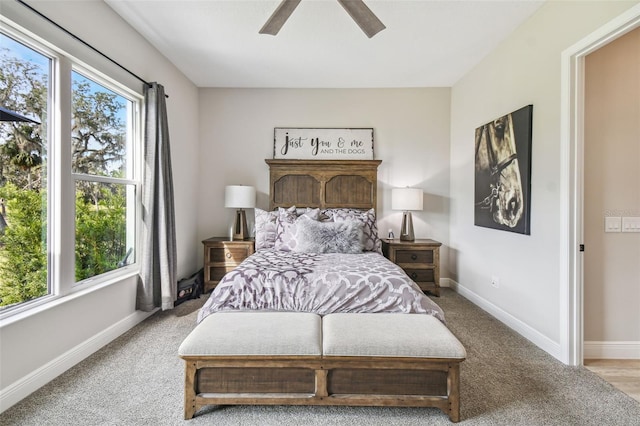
[(228, 254), (217, 272), (414, 256), (421, 275)]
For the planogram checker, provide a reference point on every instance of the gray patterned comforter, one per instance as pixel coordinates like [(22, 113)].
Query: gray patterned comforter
[(321, 283)]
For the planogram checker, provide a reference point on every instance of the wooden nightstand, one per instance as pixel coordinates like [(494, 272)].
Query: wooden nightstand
[(420, 259), (222, 255)]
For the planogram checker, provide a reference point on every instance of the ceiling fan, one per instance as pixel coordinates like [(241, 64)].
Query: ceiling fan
[(359, 12)]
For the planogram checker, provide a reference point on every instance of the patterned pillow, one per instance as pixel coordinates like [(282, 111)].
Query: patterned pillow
[(367, 217), (265, 228), (286, 226), (329, 237)]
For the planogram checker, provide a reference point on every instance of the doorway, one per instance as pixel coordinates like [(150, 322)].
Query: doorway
[(572, 179), (612, 196)]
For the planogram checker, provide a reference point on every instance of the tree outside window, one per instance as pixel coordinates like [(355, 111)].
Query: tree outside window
[(24, 88)]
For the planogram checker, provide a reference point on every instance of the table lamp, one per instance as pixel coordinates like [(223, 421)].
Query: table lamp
[(240, 197), (406, 199)]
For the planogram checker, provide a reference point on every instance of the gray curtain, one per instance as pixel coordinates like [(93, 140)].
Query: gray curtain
[(157, 283)]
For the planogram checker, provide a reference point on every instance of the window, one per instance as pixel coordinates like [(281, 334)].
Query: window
[(24, 88), (102, 150), (85, 168)]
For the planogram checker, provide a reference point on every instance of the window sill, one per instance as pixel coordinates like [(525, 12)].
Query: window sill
[(81, 289)]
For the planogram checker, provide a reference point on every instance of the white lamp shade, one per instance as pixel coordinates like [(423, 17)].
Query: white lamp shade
[(406, 199), (239, 197)]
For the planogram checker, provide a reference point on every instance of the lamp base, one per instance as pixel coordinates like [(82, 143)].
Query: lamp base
[(240, 227), (406, 231)]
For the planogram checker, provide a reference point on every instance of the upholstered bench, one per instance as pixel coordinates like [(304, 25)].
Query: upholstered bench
[(290, 358), (248, 333)]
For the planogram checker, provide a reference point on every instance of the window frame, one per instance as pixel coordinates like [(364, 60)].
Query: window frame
[(134, 133), (61, 180)]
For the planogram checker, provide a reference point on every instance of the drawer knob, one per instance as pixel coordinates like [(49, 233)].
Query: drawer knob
[(228, 255), (414, 275), (414, 256)]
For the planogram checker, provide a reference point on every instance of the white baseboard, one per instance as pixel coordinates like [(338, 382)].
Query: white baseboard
[(526, 331), (445, 282), (611, 350), (43, 375)]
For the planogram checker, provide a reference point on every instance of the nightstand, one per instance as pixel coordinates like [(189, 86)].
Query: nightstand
[(222, 255), (420, 259)]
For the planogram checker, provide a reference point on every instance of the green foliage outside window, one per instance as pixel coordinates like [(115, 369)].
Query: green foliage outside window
[(23, 255), (100, 231)]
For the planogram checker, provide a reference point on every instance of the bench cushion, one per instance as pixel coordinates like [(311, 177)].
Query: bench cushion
[(250, 333), (389, 335)]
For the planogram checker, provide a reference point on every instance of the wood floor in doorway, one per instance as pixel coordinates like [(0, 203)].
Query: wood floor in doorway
[(623, 374)]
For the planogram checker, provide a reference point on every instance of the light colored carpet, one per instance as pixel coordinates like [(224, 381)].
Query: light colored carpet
[(138, 380)]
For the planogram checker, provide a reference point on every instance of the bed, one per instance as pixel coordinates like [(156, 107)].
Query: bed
[(297, 327)]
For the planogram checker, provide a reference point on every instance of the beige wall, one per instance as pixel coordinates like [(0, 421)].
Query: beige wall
[(411, 137), (525, 69), (612, 188)]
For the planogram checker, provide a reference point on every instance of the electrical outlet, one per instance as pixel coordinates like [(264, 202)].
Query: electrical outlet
[(631, 224), (612, 224), (495, 282)]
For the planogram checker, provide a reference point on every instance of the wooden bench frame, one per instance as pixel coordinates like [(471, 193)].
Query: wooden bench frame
[(318, 380)]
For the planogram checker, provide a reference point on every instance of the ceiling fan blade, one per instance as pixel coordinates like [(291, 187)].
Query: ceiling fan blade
[(364, 17), (279, 17)]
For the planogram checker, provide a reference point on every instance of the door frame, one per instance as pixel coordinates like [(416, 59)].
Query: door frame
[(572, 180)]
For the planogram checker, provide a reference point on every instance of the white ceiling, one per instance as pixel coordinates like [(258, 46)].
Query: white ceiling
[(427, 43)]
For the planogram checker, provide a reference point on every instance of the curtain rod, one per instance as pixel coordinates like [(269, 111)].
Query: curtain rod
[(69, 33)]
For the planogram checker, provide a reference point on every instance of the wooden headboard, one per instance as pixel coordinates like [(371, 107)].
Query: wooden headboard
[(323, 183)]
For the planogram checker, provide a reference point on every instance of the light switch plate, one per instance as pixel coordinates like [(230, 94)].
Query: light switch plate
[(612, 224), (631, 224)]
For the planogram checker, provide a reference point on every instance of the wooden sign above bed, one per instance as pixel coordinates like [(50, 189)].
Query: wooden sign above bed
[(322, 144), (323, 183)]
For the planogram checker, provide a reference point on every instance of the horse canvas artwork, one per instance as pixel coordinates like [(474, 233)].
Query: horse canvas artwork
[(503, 172)]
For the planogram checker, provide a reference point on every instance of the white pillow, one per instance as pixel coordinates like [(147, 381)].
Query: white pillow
[(265, 228), (329, 237), (286, 225), (367, 217)]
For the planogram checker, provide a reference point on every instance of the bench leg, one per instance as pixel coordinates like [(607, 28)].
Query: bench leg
[(453, 391), (321, 384), (189, 390)]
